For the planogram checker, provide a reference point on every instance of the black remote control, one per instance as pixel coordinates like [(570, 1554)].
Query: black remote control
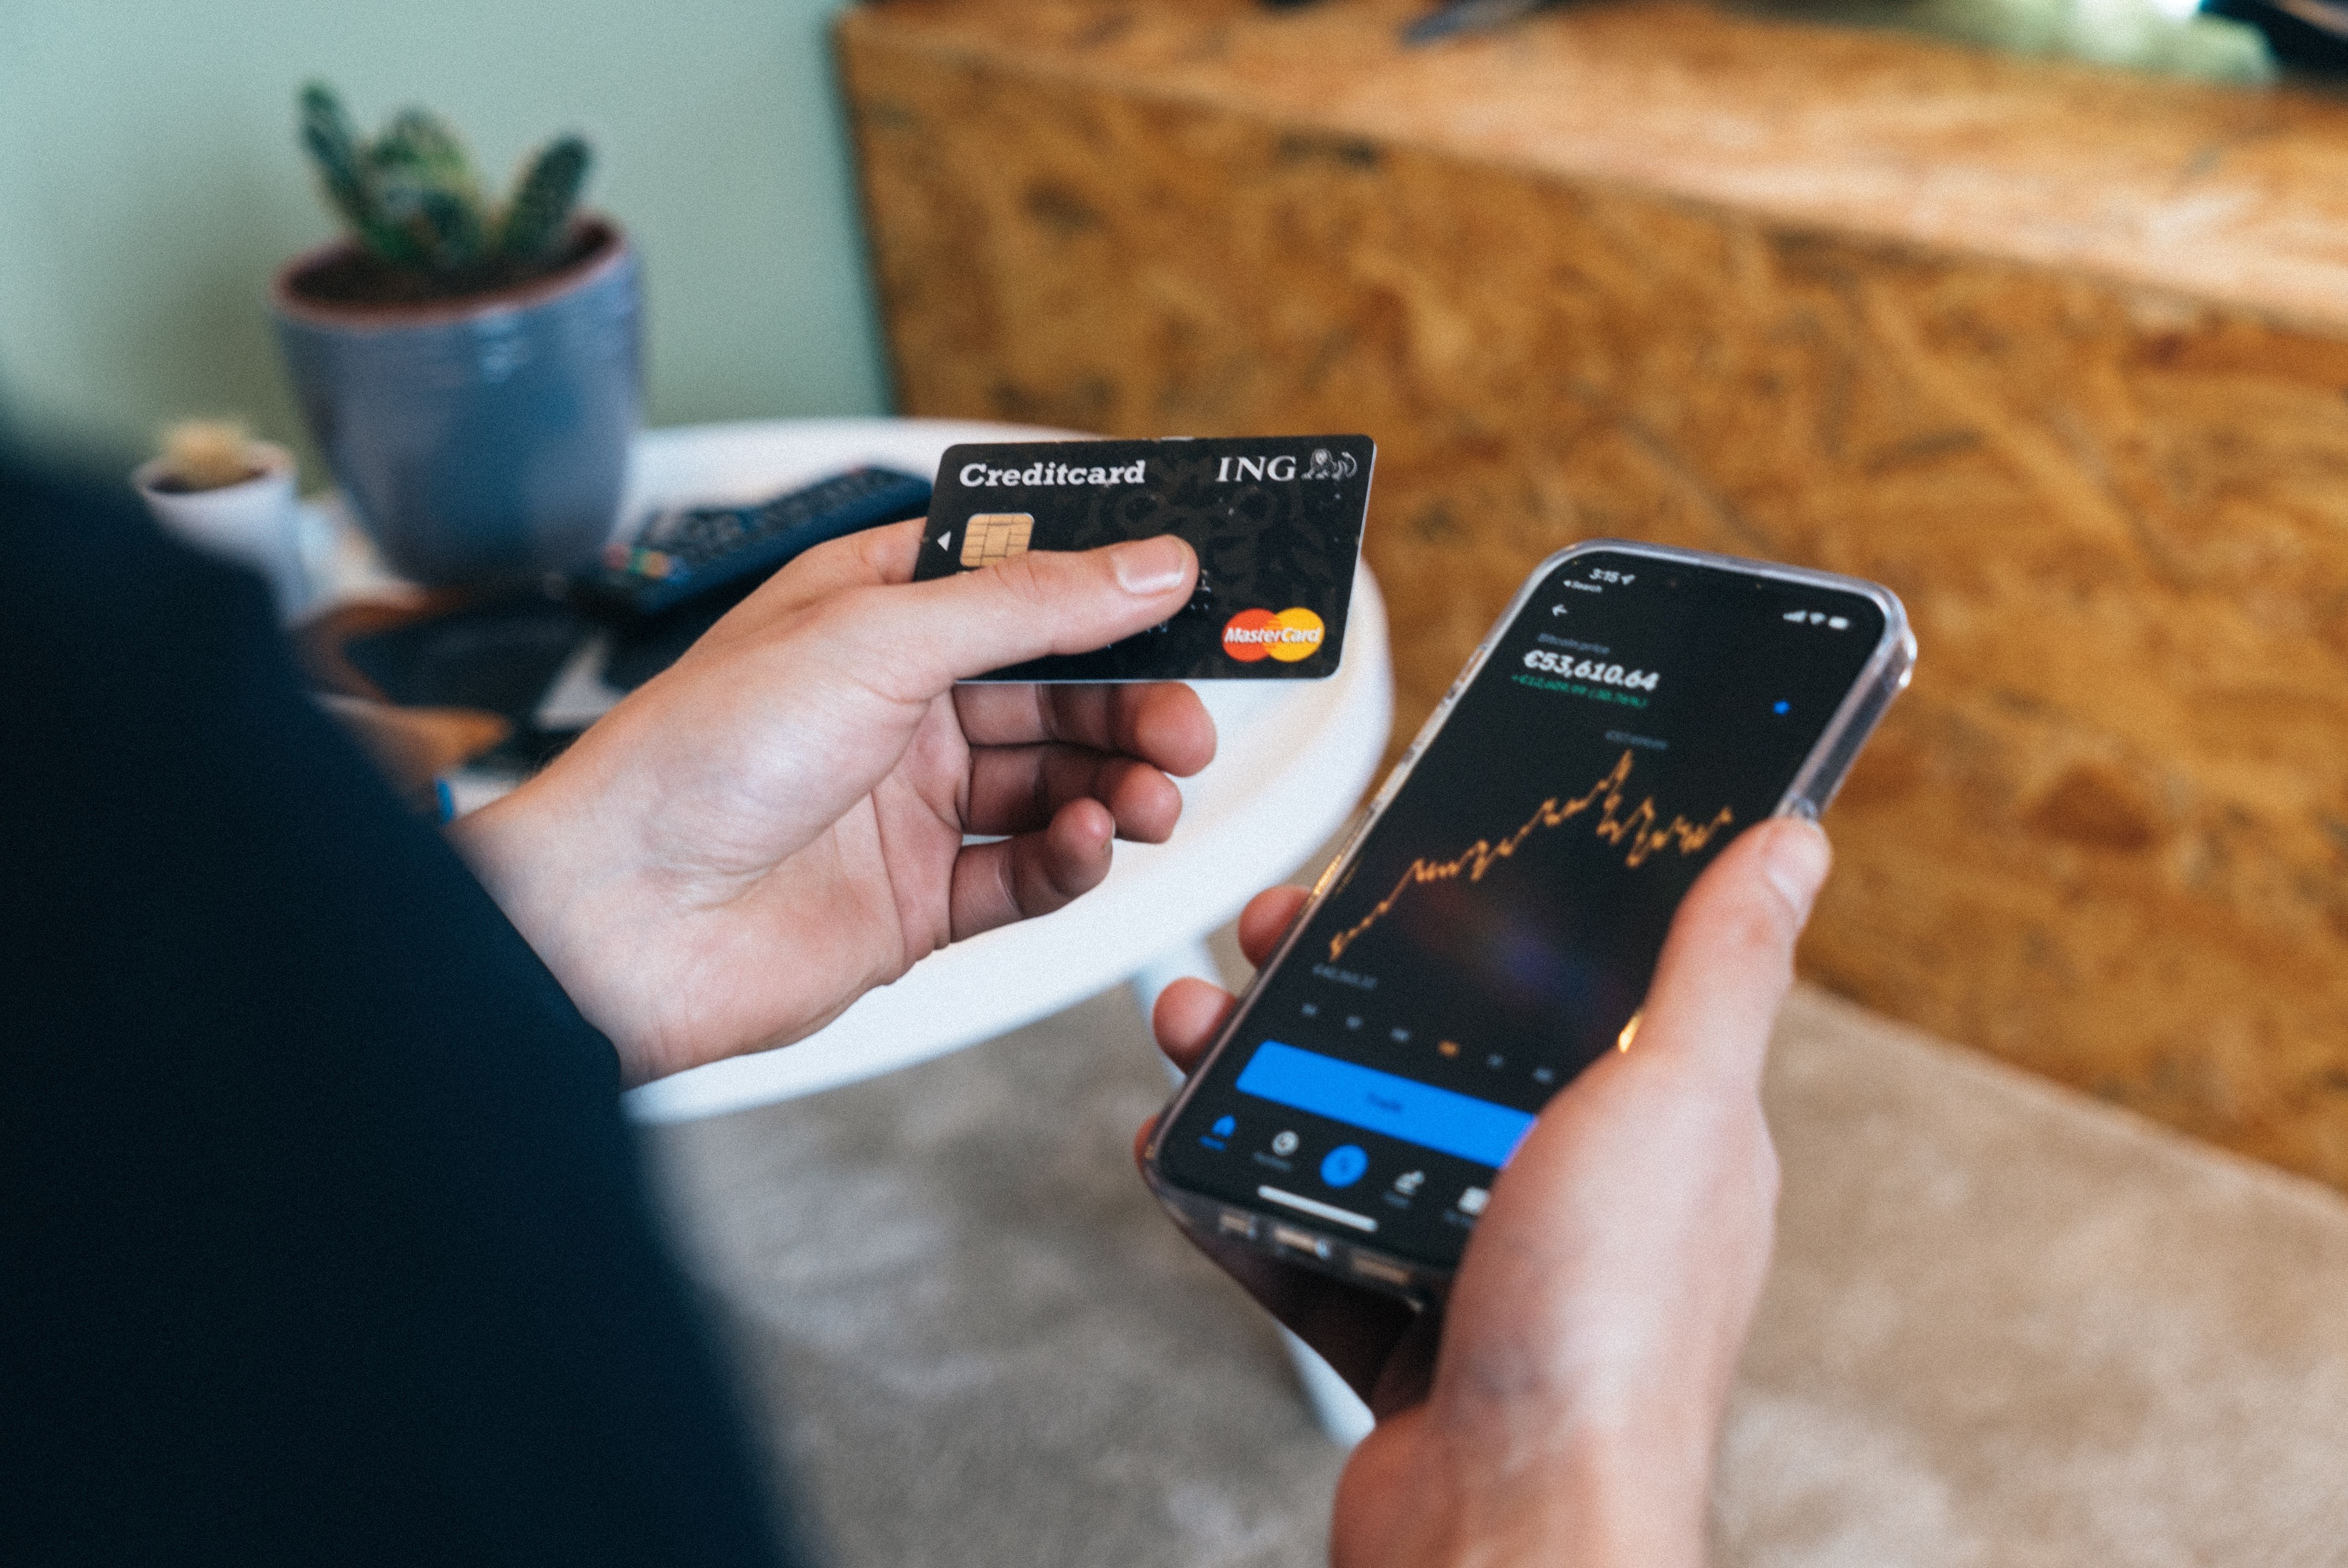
[(687, 551)]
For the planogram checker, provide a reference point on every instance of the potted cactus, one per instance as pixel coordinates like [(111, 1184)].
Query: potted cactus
[(469, 367)]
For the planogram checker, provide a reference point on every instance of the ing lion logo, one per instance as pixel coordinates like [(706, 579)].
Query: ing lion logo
[(1326, 465)]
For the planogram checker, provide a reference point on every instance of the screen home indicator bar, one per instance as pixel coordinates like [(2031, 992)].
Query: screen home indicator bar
[(1315, 1206), (1376, 1101)]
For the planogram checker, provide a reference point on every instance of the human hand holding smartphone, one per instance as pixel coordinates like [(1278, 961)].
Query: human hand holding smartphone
[(1561, 1397), (1491, 927)]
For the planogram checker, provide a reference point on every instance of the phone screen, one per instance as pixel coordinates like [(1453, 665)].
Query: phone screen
[(1495, 930)]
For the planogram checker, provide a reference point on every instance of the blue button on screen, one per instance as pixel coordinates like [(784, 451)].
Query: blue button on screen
[(1376, 1101), (1344, 1165)]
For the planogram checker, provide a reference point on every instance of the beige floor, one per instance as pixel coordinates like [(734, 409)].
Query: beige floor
[(2007, 1325)]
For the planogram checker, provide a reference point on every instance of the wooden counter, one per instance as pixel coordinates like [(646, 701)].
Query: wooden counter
[(2059, 354)]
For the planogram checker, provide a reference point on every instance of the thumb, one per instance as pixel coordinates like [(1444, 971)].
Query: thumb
[(1729, 960), (1045, 602)]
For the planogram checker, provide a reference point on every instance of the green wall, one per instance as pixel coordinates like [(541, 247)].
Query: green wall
[(150, 181)]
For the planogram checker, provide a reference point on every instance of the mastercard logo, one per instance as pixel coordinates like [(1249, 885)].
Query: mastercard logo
[(1254, 634)]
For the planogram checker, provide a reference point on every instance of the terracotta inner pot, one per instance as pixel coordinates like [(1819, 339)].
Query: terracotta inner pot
[(333, 284)]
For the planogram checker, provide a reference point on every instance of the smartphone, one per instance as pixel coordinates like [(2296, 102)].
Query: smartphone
[(1490, 928)]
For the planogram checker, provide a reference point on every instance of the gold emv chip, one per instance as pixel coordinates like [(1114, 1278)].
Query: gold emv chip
[(991, 537)]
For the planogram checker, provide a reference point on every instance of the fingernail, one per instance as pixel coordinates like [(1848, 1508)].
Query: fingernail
[(1796, 860), (1150, 566)]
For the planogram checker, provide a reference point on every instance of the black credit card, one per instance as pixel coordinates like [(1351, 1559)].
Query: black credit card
[(1276, 521)]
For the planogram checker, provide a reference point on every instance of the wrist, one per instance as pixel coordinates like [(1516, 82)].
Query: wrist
[(1485, 1498), (1611, 1498), (519, 851)]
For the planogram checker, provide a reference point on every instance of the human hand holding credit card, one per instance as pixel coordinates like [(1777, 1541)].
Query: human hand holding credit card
[(809, 779), (1276, 522)]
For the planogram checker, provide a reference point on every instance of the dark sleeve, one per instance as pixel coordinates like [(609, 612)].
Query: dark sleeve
[(322, 1236)]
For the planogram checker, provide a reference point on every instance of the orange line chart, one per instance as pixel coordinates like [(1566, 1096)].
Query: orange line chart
[(1638, 828)]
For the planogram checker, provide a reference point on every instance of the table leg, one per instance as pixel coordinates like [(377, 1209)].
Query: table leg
[(1343, 1419)]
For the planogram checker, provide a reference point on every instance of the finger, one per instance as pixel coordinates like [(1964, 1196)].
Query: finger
[(870, 558), (881, 555), (1018, 789), (1031, 874), (1729, 959), (1266, 920), (1186, 1019), (911, 642), (1162, 722)]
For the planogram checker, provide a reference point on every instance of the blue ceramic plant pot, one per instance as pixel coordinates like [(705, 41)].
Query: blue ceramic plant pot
[(479, 440)]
